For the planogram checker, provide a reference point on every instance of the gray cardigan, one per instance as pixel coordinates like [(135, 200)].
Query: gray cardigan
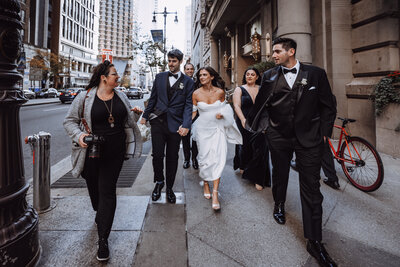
[(74, 128)]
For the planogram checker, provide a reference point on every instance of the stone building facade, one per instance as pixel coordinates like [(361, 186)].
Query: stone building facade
[(355, 41)]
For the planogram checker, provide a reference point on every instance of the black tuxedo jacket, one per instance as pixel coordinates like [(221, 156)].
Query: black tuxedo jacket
[(315, 108), (178, 108)]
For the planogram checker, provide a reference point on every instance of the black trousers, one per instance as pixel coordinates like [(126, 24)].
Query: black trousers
[(165, 144), (309, 166), (328, 164), (187, 148), (101, 175)]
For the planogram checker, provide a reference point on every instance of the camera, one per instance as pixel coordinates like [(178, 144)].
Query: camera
[(94, 142)]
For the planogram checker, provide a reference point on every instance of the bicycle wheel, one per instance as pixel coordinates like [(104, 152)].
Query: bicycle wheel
[(366, 173)]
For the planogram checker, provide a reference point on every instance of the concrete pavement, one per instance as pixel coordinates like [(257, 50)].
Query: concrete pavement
[(359, 229)]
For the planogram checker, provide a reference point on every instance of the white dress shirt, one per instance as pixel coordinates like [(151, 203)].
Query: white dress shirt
[(172, 79), (291, 77)]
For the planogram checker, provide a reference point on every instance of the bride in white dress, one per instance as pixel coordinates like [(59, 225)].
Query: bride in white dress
[(212, 130)]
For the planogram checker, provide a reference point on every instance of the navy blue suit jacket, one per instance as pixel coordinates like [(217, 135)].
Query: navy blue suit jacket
[(178, 109)]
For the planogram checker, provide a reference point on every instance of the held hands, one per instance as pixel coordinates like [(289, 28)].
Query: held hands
[(137, 110), (182, 131), (81, 143), (219, 116), (143, 121)]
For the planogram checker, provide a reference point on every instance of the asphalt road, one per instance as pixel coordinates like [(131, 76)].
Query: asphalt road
[(49, 118)]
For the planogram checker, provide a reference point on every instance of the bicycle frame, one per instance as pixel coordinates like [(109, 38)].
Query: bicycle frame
[(343, 137)]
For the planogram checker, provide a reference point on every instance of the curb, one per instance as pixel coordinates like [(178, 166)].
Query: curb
[(40, 103)]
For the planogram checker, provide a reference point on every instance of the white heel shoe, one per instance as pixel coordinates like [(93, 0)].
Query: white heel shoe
[(216, 206), (206, 195)]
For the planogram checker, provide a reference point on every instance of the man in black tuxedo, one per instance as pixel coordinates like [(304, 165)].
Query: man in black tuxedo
[(170, 113), (295, 109), (188, 68)]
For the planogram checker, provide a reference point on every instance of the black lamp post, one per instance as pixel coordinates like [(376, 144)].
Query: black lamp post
[(19, 240), (165, 13)]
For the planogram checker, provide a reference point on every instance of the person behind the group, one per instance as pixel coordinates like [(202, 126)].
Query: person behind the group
[(108, 117), (170, 113), (296, 108), (213, 128), (253, 156), (187, 149)]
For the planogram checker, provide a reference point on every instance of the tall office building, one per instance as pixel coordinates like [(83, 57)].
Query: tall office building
[(78, 40), (36, 36), (118, 20), (188, 33)]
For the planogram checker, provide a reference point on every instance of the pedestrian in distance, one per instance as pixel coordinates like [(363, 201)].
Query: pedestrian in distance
[(296, 110), (169, 111), (187, 148), (252, 158), (212, 130), (102, 126)]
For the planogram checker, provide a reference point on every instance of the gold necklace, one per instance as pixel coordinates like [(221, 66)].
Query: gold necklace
[(110, 118)]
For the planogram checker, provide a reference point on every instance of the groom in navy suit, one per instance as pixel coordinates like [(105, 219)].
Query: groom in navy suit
[(169, 111)]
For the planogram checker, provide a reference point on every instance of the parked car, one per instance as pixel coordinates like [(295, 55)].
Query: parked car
[(135, 92), (29, 94), (69, 94), (51, 92), (122, 89)]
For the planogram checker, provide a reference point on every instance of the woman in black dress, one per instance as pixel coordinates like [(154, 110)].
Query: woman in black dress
[(252, 157)]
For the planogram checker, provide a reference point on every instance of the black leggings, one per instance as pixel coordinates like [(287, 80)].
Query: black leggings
[(101, 175)]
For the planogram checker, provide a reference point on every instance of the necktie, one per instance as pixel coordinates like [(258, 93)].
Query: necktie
[(294, 70), (171, 74)]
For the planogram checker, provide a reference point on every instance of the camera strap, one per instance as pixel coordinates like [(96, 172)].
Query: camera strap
[(83, 120)]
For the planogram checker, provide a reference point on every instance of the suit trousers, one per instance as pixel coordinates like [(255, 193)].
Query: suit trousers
[(101, 175), (187, 148), (309, 166), (163, 140), (328, 164)]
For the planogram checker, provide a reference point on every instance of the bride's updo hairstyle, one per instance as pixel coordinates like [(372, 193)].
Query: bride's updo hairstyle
[(217, 81), (101, 69)]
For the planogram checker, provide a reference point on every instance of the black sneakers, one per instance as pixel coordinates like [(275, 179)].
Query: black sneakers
[(103, 254)]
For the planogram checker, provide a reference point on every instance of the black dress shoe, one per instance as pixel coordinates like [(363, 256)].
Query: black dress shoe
[(171, 198), (293, 165), (195, 164), (317, 250), (279, 213), (157, 191), (334, 184), (186, 164)]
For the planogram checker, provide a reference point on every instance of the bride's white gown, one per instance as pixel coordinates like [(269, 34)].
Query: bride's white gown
[(212, 135)]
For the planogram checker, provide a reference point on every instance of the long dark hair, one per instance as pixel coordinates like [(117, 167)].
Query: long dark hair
[(217, 81), (258, 81), (101, 69)]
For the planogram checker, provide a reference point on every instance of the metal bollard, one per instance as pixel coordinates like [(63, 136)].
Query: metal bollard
[(40, 145)]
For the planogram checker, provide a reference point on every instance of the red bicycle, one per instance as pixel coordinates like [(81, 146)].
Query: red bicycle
[(360, 161)]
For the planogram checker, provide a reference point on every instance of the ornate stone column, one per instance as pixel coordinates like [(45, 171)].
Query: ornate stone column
[(19, 241)]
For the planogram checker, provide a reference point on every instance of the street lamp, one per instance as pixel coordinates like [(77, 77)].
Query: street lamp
[(19, 233), (165, 13)]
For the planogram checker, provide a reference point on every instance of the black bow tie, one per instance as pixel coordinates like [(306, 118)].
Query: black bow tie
[(171, 74), (294, 70)]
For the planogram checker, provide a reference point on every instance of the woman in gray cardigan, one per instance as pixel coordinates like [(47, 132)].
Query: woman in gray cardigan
[(110, 119)]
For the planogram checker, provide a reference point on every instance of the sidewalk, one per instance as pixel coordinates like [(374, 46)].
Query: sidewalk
[(359, 229)]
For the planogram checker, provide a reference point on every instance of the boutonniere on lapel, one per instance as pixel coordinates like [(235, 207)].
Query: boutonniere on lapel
[(303, 82), (181, 86)]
